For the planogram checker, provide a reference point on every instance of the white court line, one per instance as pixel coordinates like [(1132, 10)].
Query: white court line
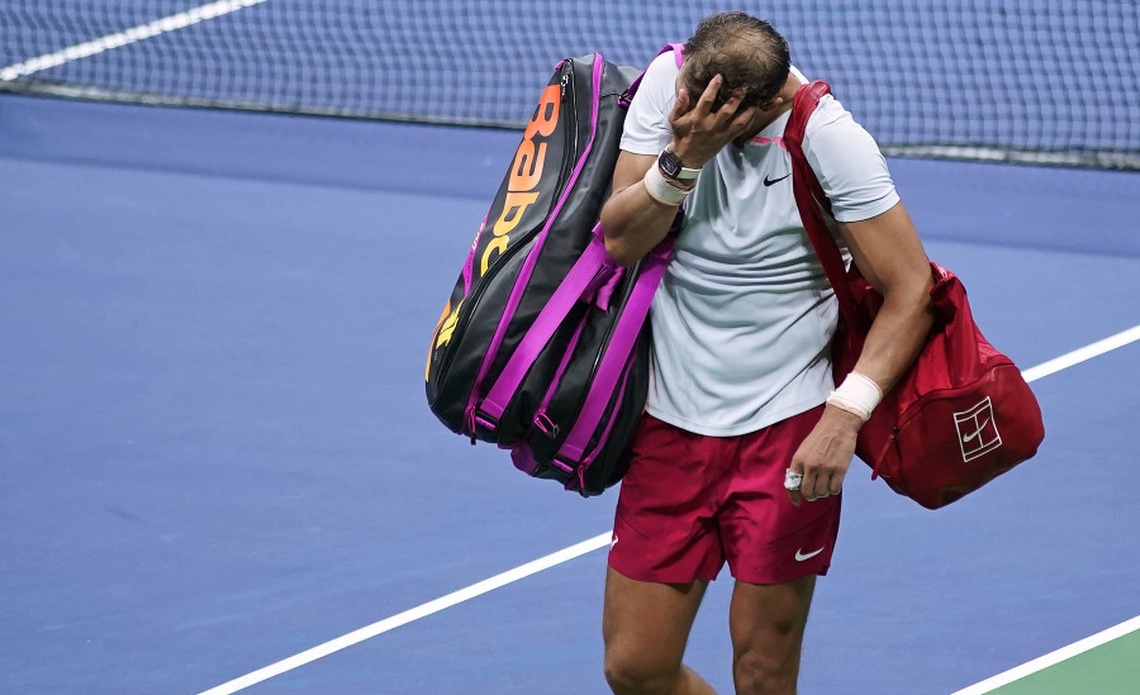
[(423, 610), (143, 31), (1043, 662), (1083, 354), (600, 541)]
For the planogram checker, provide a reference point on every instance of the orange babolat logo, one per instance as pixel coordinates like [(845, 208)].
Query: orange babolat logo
[(443, 330), (447, 324), (526, 172), (525, 175)]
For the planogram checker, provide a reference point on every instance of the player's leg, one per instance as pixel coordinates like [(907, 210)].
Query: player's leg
[(646, 626), (767, 626), (664, 552), (775, 550)]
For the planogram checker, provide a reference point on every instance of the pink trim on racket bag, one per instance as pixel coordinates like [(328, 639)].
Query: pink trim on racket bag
[(593, 269), (617, 352)]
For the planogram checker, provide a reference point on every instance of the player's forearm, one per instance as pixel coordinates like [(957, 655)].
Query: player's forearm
[(633, 223), (897, 334)]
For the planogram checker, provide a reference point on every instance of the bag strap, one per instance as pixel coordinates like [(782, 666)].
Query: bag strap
[(617, 352), (625, 333), (678, 54), (810, 197), (592, 272)]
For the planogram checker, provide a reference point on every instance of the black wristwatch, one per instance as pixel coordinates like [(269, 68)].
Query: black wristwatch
[(673, 168)]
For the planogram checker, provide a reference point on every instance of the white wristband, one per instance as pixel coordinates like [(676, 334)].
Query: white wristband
[(661, 190), (858, 395)]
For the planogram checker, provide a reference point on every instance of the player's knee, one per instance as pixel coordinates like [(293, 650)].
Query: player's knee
[(631, 672), (759, 672)]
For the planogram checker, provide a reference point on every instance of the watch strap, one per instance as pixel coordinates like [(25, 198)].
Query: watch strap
[(672, 167)]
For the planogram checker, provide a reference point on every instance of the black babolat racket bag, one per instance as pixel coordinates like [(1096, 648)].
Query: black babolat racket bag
[(543, 345)]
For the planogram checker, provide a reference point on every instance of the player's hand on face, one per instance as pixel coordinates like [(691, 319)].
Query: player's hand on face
[(698, 131)]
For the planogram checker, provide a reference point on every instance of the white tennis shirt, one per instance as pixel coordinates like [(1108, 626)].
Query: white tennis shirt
[(744, 316)]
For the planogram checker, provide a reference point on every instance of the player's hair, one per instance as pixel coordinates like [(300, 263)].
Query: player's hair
[(746, 51)]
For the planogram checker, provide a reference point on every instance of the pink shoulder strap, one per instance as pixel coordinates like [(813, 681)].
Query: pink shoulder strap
[(678, 54)]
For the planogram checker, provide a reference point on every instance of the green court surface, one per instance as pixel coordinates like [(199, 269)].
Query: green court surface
[(1110, 669)]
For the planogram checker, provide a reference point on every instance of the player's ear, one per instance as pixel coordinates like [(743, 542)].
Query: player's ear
[(776, 103)]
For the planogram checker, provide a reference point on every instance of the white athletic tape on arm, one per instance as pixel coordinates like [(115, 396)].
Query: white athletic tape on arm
[(858, 395), (661, 190)]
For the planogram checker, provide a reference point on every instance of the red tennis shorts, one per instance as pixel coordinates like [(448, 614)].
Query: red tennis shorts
[(691, 502)]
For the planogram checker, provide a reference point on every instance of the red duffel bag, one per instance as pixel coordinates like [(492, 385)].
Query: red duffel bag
[(962, 414)]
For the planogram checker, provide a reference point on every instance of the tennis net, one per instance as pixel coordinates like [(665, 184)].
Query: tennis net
[(1046, 81)]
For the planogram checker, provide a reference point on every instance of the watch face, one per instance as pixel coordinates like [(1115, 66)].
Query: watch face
[(670, 164)]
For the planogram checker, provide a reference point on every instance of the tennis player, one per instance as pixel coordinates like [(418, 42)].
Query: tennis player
[(743, 451)]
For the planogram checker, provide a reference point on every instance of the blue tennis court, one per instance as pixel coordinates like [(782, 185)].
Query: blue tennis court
[(215, 451)]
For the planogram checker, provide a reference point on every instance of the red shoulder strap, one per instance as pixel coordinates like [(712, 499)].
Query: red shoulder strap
[(810, 197)]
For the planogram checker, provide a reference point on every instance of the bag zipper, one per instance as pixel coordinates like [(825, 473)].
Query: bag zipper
[(915, 409), (611, 420)]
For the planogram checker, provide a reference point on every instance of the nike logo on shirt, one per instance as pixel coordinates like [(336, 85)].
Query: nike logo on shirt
[(769, 182)]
